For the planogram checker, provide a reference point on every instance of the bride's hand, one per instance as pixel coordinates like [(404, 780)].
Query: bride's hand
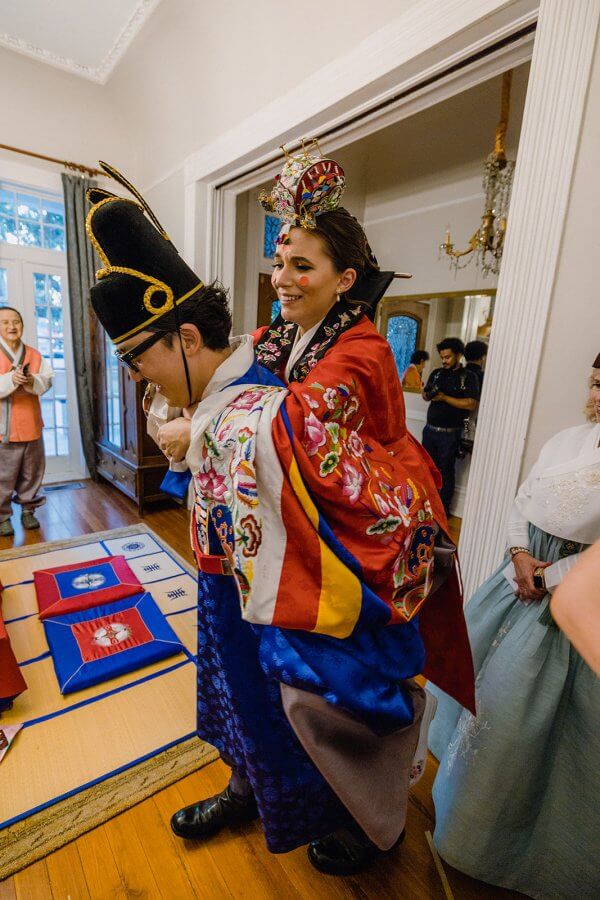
[(174, 438), (525, 565)]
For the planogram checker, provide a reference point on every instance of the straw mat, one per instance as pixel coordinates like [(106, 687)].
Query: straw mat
[(81, 759)]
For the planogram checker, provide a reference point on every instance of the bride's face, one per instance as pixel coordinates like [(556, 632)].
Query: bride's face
[(306, 280), (595, 392)]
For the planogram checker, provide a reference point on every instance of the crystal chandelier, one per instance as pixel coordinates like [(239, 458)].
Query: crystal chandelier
[(487, 243)]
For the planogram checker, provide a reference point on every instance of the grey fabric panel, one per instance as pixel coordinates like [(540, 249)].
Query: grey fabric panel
[(81, 265), (370, 774)]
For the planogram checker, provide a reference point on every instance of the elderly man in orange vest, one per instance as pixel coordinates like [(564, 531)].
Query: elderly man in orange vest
[(24, 377)]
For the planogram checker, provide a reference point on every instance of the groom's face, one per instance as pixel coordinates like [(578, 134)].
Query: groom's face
[(161, 364)]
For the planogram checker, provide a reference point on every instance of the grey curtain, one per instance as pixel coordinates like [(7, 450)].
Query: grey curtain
[(81, 266)]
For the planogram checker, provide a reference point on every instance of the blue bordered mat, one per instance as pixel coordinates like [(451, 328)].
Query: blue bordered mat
[(70, 742), (97, 644)]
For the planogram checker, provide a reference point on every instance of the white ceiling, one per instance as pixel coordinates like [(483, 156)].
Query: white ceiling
[(86, 37)]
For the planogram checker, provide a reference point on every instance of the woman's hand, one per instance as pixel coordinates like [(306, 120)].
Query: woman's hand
[(525, 564), (174, 438)]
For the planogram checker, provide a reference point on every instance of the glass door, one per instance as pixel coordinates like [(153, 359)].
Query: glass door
[(33, 279), (48, 328)]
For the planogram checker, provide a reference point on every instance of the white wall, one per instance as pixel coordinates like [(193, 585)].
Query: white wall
[(58, 114), (572, 338), (197, 69), (167, 200)]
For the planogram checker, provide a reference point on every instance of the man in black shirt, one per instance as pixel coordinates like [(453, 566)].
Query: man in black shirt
[(454, 393), (475, 354)]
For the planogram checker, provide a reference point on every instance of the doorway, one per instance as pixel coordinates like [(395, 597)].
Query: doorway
[(33, 279)]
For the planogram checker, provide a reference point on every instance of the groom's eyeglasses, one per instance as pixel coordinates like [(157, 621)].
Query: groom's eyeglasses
[(128, 358)]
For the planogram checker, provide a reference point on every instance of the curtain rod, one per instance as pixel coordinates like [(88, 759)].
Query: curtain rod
[(77, 167)]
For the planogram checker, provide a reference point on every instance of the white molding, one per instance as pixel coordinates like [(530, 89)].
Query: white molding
[(380, 67), (99, 73), (552, 119)]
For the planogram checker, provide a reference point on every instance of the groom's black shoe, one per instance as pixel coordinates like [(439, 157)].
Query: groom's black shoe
[(209, 816), (346, 852)]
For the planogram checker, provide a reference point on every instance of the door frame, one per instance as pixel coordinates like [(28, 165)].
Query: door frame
[(433, 51)]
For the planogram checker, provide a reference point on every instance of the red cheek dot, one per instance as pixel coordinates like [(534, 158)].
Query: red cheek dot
[(303, 280)]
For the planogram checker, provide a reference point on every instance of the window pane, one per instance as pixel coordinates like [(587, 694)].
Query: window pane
[(28, 207), (271, 233), (30, 234), (50, 343), (52, 212), (49, 441), (54, 239), (43, 324), (62, 442), (55, 290), (8, 230), (402, 337), (44, 346), (7, 202), (47, 413), (60, 407), (112, 395), (60, 384), (39, 287), (3, 288), (57, 321)]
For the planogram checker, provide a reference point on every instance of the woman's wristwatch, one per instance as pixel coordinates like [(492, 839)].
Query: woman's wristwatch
[(515, 550), (539, 580)]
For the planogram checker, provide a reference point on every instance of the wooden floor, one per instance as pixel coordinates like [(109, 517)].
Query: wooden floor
[(136, 855)]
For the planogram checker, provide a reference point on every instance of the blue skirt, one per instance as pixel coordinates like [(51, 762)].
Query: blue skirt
[(240, 713), (518, 787)]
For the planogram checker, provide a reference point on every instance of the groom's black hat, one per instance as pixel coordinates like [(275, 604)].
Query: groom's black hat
[(143, 276)]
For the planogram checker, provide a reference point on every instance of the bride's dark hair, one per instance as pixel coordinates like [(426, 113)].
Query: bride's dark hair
[(345, 242)]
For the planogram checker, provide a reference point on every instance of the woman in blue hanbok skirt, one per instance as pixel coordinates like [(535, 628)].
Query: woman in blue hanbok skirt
[(518, 787)]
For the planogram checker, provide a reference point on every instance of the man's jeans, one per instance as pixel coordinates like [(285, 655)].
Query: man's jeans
[(443, 446)]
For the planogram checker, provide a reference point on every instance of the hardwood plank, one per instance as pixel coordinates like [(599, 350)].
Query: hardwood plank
[(101, 872), (67, 878), (7, 889), (33, 883), (245, 865), (131, 860), (170, 876), (202, 871)]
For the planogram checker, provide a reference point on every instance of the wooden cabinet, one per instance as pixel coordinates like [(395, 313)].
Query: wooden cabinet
[(125, 454)]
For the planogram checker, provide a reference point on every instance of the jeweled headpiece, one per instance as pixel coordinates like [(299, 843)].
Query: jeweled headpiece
[(309, 184)]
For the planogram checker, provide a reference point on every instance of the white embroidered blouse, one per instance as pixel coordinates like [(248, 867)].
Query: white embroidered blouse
[(561, 494)]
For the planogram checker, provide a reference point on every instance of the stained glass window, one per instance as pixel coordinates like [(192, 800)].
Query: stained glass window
[(271, 232), (31, 220), (402, 337), (50, 341)]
